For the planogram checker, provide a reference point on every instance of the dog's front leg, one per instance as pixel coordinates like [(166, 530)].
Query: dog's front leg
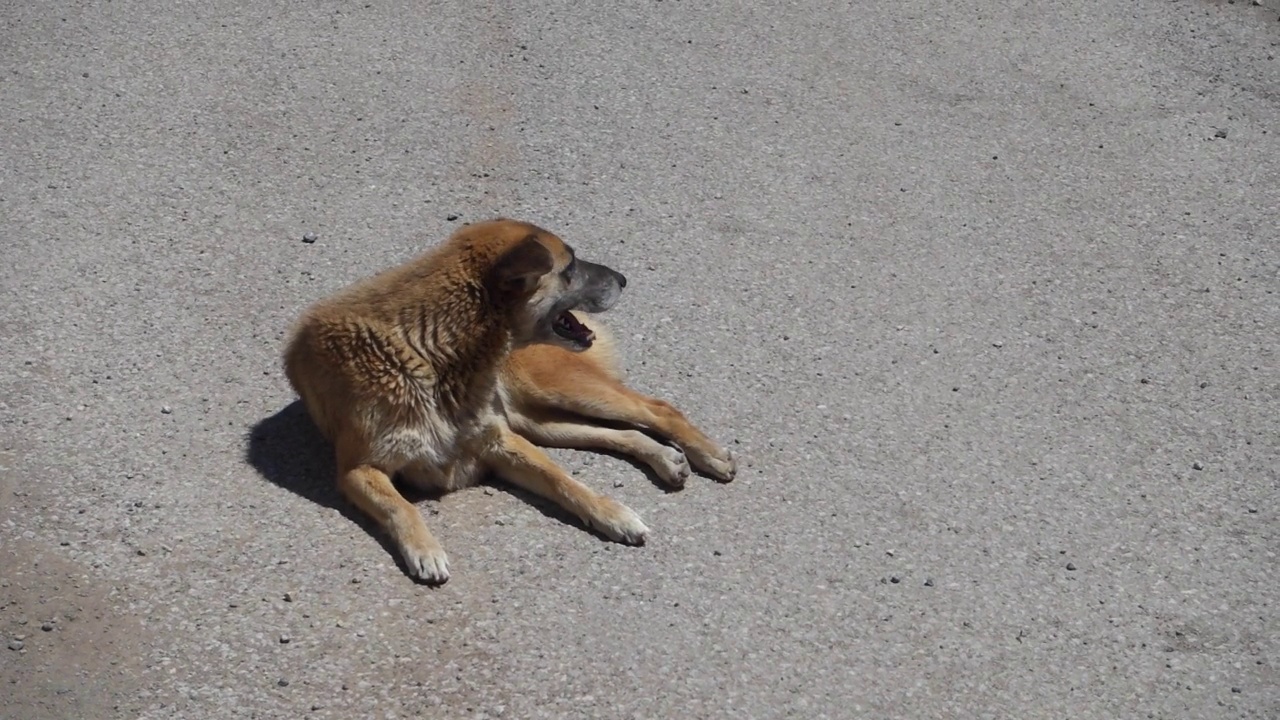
[(525, 465)]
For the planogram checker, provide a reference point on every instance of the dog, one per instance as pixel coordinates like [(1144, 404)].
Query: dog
[(466, 361)]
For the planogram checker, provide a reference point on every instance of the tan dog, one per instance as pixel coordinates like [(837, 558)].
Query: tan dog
[(447, 367)]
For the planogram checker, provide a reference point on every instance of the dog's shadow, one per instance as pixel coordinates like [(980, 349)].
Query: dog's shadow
[(288, 450)]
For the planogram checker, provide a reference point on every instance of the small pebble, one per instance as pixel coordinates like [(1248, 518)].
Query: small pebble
[(16, 645), (285, 639), (355, 581), (1221, 134), (716, 553), (895, 579), (997, 344), (1236, 690), (166, 409), (46, 626), (282, 682), (288, 597), (310, 238), (617, 483), (451, 217), (1071, 566), (1197, 465), (928, 582)]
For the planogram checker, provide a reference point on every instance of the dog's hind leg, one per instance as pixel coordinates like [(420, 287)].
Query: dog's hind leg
[(667, 462)]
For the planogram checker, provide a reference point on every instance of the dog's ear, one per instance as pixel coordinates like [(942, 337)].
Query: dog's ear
[(518, 270)]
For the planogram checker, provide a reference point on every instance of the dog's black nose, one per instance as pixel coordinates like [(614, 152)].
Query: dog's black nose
[(622, 279)]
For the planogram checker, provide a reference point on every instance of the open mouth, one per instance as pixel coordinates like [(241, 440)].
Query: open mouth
[(568, 327)]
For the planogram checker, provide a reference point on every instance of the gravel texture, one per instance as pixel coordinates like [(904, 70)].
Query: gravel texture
[(982, 295)]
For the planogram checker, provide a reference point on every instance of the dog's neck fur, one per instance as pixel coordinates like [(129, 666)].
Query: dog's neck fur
[(451, 324), (446, 318), (462, 353)]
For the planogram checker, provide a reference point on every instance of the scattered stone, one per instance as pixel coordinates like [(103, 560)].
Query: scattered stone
[(16, 645), (1221, 134), (1197, 465), (1071, 566), (355, 581), (282, 682), (285, 639), (166, 410), (617, 483), (141, 552), (1236, 690), (928, 582), (500, 521), (451, 217), (46, 626), (288, 597), (997, 344), (717, 553), (310, 238), (895, 579)]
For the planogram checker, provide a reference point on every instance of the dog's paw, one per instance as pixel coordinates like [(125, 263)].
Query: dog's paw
[(618, 522), (672, 467), (721, 466), (428, 563)]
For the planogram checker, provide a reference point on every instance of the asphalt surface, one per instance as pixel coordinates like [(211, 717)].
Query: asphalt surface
[(983, 296)]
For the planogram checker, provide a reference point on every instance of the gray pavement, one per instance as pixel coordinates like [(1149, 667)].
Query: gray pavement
[(983, 295)]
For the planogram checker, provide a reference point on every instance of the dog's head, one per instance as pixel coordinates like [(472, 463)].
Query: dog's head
[(538, 280)]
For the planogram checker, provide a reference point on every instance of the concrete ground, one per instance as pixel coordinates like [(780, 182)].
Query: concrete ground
[(983, 295)]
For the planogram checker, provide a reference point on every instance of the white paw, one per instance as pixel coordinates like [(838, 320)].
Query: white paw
[(672, 466), (429, 564), (618, 522), (722, 468)]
